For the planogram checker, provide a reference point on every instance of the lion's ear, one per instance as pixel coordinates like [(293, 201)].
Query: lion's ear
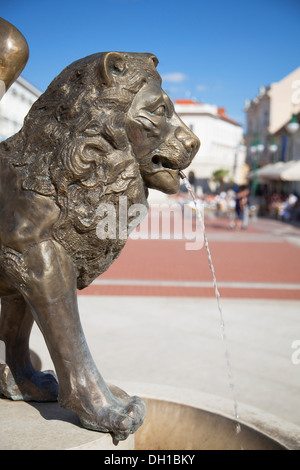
[(153, 59), (110, 65)]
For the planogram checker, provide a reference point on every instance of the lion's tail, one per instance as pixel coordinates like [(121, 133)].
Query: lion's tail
[(14, 54)]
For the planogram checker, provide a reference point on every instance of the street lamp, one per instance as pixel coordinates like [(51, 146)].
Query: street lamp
[(273, 147), (293, 125), (256, 148)]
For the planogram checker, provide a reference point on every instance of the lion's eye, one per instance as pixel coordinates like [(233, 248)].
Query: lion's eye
[(160, 111)]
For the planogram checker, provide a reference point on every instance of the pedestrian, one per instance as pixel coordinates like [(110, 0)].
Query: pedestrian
[(241, 208), (246, 208), (192, 180), (231, 208)]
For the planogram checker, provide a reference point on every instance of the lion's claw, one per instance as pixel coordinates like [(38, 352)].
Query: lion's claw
[(120, 420)]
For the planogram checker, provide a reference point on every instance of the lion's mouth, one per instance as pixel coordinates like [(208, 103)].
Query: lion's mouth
[(162, 173), (161, 163)]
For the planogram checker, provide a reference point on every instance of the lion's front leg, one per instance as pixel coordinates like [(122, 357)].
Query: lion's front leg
[(50, 290)]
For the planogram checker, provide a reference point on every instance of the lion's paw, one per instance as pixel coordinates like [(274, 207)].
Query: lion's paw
[(121, 419)]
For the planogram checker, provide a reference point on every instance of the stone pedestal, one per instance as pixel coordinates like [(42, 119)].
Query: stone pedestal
[(46, 426)]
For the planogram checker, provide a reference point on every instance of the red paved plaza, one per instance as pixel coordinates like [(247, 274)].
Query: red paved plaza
[(260, 262)]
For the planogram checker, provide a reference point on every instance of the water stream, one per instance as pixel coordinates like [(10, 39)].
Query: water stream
[(217, 294)]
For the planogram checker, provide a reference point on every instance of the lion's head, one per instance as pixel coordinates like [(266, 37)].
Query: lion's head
[(99, 113)]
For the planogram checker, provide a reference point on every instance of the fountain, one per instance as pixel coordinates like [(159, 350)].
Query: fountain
[(217, 294), (207, 423)]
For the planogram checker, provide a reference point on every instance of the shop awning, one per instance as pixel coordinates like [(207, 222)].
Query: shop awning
[(279, 171)]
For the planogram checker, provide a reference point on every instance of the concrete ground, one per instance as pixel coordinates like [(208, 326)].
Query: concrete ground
[(153, 318)]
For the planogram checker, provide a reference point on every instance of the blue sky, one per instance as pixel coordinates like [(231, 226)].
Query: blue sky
[(215, 51)]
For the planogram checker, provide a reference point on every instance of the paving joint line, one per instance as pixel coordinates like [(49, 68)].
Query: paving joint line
[(196, 284)]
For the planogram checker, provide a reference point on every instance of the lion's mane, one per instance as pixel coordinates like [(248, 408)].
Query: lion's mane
[(74, 149)]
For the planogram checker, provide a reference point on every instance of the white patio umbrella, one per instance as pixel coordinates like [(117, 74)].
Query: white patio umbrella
[(279, 171)]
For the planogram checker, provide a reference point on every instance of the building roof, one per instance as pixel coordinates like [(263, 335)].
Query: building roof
[(222, 115), (186, 102), (21, 80), (203, 108)]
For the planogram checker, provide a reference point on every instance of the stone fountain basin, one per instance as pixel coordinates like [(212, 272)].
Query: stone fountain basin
[(179, 419)]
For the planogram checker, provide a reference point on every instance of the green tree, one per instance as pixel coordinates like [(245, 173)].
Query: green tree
[(219, 176)]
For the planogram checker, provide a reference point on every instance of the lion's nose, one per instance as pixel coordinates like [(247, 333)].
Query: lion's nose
[(189, 140)]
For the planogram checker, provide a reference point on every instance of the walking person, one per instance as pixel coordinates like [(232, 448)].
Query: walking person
[(241, 207), (246, 205)]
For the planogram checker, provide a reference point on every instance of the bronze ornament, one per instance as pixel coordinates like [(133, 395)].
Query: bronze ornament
[(14, 53)]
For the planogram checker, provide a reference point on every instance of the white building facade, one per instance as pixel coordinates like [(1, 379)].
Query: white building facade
[(15, 105), (221, 139)]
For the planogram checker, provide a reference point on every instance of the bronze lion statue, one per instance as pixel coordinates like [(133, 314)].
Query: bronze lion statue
[(104, 128)]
